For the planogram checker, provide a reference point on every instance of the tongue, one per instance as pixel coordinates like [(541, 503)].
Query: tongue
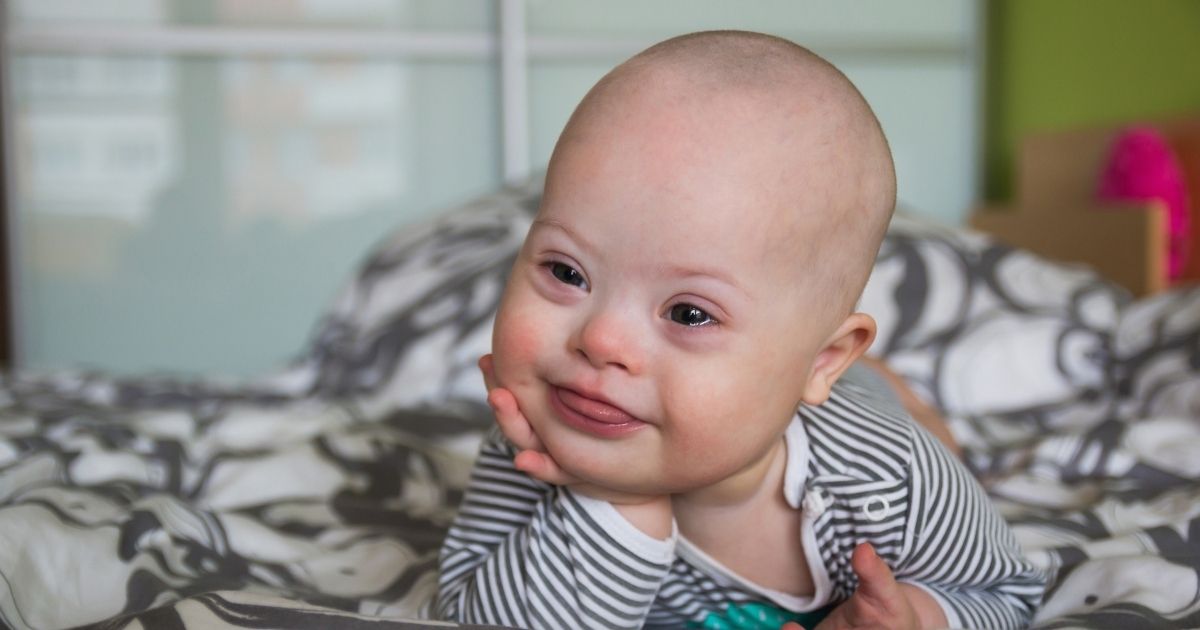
[(594, 409)]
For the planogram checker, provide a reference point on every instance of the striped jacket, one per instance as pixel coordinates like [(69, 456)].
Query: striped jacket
[(527, 554)]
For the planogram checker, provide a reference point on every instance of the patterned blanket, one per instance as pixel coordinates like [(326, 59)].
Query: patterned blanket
[(316, 497)]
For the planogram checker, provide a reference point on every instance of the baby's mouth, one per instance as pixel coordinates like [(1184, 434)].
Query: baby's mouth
[(597, 410), (592, 416)]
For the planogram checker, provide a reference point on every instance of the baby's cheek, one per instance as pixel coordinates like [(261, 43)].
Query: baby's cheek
[(720, 411), (697, 402), (704, 385), (516, 346)]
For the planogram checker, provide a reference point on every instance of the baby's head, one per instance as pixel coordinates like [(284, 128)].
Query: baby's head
[(711, 214)]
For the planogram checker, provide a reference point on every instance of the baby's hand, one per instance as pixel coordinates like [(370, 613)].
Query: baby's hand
[(880, 603), (532, 457), (651, 514)]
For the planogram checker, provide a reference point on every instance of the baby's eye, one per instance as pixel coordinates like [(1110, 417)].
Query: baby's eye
[(567, 274), (690, 315)]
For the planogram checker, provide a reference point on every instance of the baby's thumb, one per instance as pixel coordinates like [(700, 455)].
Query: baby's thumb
[(875, 579)]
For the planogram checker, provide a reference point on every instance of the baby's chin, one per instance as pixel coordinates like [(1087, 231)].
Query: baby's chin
[(627, 466)]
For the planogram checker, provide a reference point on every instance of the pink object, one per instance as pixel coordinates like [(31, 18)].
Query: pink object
[(1141, 166)]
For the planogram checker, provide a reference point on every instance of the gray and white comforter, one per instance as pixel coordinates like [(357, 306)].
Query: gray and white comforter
[(317, 497)]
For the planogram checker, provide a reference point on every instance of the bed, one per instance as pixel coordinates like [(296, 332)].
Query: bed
[(316, 496)]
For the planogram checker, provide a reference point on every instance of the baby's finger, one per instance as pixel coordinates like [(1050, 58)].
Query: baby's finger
[(791, 625), (485, 367), (875, 579), (542, 467), (512, 422)]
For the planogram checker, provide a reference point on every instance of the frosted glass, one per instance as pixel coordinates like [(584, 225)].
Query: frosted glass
[(637, 18), (198, 215), (459, 15)]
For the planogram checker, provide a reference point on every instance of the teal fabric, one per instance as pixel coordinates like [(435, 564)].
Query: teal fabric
[(759, 616)]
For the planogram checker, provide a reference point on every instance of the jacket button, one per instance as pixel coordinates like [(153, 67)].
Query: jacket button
[(876, 508)]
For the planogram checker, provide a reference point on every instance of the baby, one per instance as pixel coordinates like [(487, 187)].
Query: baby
[(684, 437)]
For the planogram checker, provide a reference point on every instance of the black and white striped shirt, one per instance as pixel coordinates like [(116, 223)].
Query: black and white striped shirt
[(527, 554)]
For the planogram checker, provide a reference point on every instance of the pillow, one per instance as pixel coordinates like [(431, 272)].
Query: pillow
[(978, 327)]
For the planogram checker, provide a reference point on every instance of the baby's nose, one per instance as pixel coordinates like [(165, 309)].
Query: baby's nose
[(607, 340)]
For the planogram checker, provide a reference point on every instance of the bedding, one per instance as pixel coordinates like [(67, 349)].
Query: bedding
[(317, 496)]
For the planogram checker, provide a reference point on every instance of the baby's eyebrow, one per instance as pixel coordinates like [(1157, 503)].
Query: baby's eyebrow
[(682, 272), (572, 234)]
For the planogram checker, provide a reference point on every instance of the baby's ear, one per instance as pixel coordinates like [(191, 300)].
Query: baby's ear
[(840, 351)]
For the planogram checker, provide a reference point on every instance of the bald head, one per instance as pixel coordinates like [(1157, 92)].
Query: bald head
[(806, 143)]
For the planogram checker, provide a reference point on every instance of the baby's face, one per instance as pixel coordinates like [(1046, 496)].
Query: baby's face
[(656, 331)]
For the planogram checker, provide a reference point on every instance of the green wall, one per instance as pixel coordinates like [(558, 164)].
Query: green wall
[(1068, 63)]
